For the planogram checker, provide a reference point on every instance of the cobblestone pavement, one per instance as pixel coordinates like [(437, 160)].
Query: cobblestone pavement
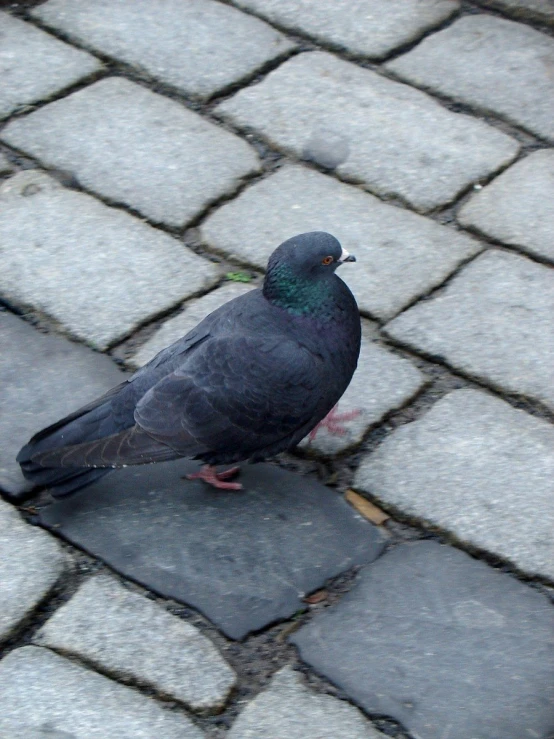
[(395, 581)]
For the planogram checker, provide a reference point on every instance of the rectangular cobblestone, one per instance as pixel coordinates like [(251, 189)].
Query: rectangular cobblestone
[(160, 651), (534, 10), (244, 560), (494, 321), (35, 65), (477, 468), (199, 46), (97, 270), (287, 708), (400, 254), (494, 64), (43, 378), (31, 562), (448, 646), (370, 129), (136, 147), (365, 27), (43, 692), (518, 207)]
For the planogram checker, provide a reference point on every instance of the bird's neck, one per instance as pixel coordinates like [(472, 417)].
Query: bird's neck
[(295, 293)]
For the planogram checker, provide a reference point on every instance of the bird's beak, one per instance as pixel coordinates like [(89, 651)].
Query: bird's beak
[(346, 257)]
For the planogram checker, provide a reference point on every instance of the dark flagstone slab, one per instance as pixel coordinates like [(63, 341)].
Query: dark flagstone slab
[(245, 559), (444, 643), (42, 378)]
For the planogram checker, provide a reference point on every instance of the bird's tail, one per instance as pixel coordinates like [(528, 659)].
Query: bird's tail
[(81, 425), (60, 482)]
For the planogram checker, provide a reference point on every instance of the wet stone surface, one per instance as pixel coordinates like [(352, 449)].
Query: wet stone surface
[(43, 692), (35, 65), (198, 47), (316, 101), (31, 563), (133, 146), (474, 466), (222, 553), (97, 270), (516, 208), (452, 62), (43, 378), (365, 29), (387, 241), (494, 321), (160, 650), (443, 643), (285, 709)]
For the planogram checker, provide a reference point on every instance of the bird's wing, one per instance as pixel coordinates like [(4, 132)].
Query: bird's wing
[(233, 393)]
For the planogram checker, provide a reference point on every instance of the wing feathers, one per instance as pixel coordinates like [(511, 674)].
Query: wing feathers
[(132, 446)]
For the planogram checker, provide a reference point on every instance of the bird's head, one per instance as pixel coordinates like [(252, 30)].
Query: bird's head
[(310, 254), (298, 268)]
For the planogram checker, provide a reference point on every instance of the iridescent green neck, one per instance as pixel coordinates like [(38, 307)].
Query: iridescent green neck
[(297, 294)]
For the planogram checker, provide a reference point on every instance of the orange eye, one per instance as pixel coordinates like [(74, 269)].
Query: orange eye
[(327, 260)]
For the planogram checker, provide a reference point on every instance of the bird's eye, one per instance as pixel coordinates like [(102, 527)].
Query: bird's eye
[(327, 260)]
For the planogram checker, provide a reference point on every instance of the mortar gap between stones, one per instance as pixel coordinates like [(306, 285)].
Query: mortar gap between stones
[(519, 401)]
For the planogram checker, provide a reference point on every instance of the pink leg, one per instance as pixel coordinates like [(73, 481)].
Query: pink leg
[(209, 474), (332, 422)]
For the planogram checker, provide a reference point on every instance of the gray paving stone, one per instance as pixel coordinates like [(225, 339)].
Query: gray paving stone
[(370, 129), (5, 165), (477, 467), (517, 207), (136, 147), (31, 562), (400, 254), (97, 270), (244, 559), (289, 710), (193, 312), (382, 382), (494, 64), (160, 651), (368, 27), (443, 643), (42, 692), (494, 321), (43, 378), (199, 46), (35, 65), (536, 10)]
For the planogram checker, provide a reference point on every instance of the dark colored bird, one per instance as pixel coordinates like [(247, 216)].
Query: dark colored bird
[(251, 380)]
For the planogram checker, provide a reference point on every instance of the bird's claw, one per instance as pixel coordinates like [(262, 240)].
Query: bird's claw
[(209, 474), (332, 422)]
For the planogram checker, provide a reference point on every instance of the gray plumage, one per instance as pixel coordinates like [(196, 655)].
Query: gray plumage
[(251, 380)]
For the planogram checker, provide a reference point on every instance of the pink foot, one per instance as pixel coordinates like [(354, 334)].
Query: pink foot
[(332, 422), (209, 474)]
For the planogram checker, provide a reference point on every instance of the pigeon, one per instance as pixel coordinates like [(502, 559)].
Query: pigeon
[(251, 380)]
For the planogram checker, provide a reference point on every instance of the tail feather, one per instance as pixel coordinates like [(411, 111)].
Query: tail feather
[(131, 446), (66, 484), (89, 422)]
